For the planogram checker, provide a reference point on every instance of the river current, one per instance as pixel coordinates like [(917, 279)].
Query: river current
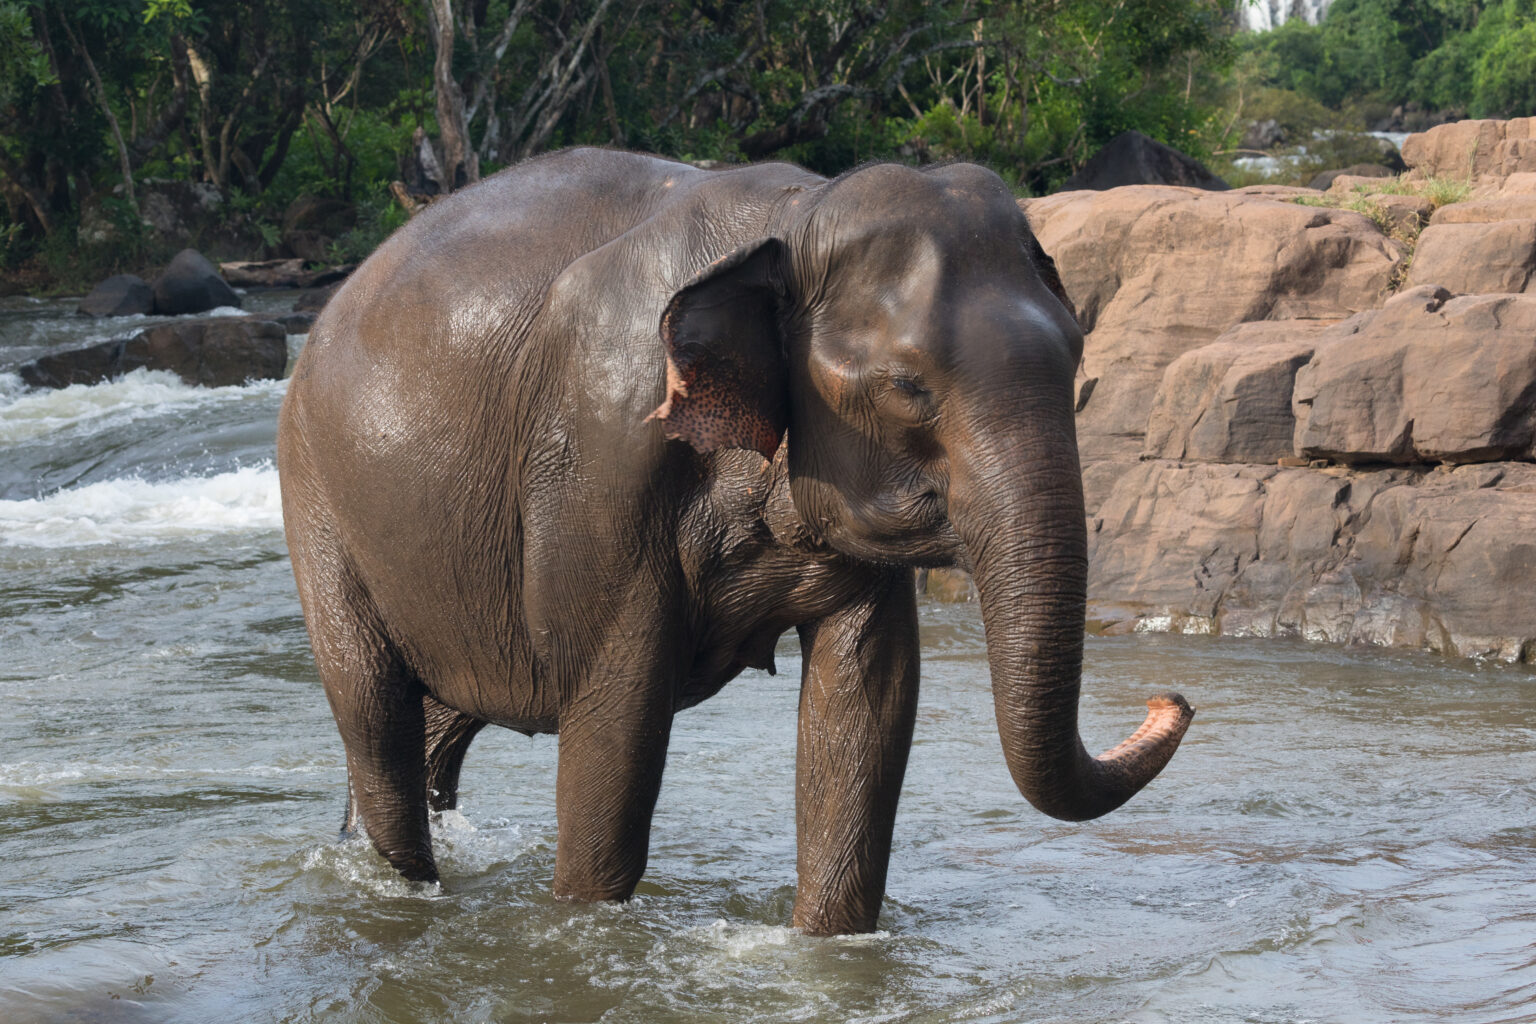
[(1345, 835)]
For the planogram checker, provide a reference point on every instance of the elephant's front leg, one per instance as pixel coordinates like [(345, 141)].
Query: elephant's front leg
[(613, 746), (858, 699)]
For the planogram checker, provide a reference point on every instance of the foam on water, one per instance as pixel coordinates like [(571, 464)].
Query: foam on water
[(133, 511), (143, 394)]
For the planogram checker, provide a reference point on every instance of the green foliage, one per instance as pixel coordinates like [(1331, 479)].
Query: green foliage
[(274, 100), (1463, 55), (1504, 75), (22, 61)]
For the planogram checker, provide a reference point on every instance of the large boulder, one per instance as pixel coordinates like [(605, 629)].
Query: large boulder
[(1439, 560), (1230, 401), (191, 284), (1486, 211), (1469, 150), (213, 352), (1497, 256), (1156, 272), (1132, 158), (1428, 378), (119, 295)]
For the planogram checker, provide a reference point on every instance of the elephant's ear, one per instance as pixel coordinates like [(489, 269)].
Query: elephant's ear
[(1046, 268), (726, 375)]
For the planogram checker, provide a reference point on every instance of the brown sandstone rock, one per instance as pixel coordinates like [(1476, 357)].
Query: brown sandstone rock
[(1230, 401), (1521, 183), (1429, 378), (1174, 537), (1352, 173), (1346, 182), (1486, 211), (1157, 271), (1466, 150), (1476, 258), (1274, 191), (1406, 215), (1438, 560)]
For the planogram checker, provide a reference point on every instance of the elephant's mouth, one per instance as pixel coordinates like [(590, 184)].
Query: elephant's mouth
[(909, 529)]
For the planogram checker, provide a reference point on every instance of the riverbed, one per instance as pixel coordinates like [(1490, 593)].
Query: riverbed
[(1346, 835)]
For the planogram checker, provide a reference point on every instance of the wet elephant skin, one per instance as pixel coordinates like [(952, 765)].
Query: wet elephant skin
[(580, 442)]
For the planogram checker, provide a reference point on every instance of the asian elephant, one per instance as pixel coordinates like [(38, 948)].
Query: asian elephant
[(580, 442)]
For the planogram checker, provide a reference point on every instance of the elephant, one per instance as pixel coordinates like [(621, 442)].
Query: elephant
[(580, 442)]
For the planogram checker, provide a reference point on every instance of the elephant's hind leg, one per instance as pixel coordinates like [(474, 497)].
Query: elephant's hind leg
[(377, 702), (449, 734)]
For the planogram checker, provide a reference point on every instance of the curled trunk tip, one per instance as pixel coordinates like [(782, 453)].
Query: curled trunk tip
[(1150, 747)]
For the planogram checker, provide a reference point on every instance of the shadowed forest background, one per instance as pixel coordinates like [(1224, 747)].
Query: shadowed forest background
[(251, 111)]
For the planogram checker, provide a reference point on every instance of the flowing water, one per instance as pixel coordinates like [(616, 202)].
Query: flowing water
[(1344, 836)]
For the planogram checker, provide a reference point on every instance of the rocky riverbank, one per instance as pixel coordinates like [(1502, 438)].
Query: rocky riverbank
[(1309, 413)]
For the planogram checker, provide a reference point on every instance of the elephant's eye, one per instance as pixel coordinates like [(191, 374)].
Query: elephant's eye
[(908, 386)]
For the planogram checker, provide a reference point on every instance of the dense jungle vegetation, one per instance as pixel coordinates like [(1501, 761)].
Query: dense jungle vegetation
[(261, 103)]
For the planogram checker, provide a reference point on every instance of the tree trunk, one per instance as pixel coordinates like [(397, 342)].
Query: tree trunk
[(461, 166)]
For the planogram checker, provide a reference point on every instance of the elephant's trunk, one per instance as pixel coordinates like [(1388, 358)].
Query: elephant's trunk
[(1017, 504)]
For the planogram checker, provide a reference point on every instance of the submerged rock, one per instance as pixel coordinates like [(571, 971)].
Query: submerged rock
[(214, 352), (119, 295)]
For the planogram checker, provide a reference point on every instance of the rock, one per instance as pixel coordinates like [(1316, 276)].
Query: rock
[(1405, 214), (119, 295), (1326, 178), (1265, 134), (1476, 258), (1486, 211), (1275, 191), (173, 213), (1347, 184), (179, 210), (1132, 158), (1469, 150), (314, 299), (1156, 271), (1174, 539), (213, 352), (1438, 560), (1230, 401), (1428, 378), (298, 322), (1521, 183), (191, 284)]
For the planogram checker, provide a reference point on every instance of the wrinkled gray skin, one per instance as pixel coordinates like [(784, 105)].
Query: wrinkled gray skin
[(532, 476)]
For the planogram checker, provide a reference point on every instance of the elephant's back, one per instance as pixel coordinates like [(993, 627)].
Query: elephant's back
[(467, 269)]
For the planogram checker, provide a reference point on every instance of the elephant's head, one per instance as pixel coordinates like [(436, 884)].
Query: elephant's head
[(909, 333)]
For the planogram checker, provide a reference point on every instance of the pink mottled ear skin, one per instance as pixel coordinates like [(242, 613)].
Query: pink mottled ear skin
[(707, 407), (725, 373)]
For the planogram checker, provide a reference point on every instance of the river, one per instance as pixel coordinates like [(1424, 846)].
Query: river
[(1345, 835)]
